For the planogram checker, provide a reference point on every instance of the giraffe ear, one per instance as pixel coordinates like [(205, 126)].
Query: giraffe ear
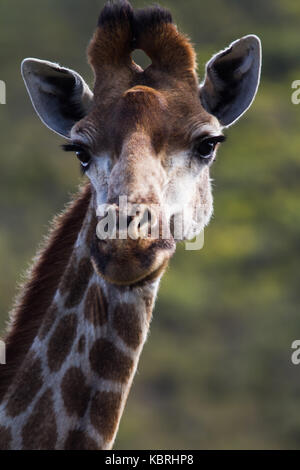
[(231, 80), (59, 95)]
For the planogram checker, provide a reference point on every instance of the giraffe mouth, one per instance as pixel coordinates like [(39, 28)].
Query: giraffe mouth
[(131, 262)]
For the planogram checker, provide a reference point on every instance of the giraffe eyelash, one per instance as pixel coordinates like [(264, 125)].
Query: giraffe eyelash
[(72, 148)]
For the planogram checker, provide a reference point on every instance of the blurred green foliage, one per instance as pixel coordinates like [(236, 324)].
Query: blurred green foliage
[(216, 371)]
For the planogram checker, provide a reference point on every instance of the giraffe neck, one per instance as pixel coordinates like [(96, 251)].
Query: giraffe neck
[(70, 389)]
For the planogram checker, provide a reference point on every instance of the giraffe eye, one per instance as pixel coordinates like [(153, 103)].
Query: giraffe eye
[(82, 154), (84, 158), (205, 147)]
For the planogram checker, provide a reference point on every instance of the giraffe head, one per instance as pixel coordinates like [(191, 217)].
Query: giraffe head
[(148, 135)]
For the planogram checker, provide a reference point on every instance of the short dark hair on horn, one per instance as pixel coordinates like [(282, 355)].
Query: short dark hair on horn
[(147, 18), (115, 12)]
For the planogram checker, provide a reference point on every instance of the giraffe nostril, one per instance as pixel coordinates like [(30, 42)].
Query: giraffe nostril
[(128, 220), (137, 221), (148, 222), (139, 224), (145, 217)]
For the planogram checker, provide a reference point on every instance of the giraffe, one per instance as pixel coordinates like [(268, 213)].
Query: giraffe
[(79, 325)]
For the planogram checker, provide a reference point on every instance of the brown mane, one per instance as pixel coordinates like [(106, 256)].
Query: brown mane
[(41, 285)]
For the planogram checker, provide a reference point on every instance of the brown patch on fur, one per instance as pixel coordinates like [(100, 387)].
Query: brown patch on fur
[(78, 440), (40, 431), (75, 392), (39, 290), (95, 309), (61, 341), (127, 323), (104, 413), (5, 438), (109, 362), (81, 344), (79, 283), (28, 383), (48, 322)]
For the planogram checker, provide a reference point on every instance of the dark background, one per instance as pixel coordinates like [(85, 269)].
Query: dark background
[(216, 371)]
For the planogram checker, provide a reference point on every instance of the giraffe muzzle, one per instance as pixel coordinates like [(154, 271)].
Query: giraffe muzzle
[(126, 249)]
